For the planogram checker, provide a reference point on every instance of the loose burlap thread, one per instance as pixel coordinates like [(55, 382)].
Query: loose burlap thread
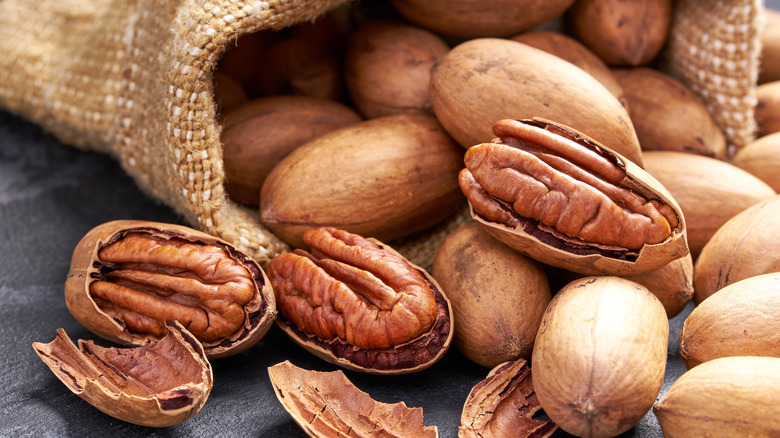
[(133, 78)]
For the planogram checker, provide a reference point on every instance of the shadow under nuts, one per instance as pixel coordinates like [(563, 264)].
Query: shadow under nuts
[(563, 199), (600, 356), (359, 304), (127, 278), (498, 295), (384, 178)]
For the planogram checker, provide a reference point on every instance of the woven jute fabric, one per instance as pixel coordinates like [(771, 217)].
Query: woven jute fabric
[(133, 78), (714, 49)]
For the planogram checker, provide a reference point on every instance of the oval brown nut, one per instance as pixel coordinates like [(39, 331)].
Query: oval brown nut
[(503, 405), (743, 247), (761, 158), (161, 384), (708, 190), (600, 355), (735, 396), (667, 115), (767, 110), (388, 67), (386, 178), (472, 18), (622, 32), (742, 319), (498, 295), (328, 405), (357, 303), (127, 278), (257, 135), (571, 50), (565, 200), (769, 60), (485, 80), (672, 284)]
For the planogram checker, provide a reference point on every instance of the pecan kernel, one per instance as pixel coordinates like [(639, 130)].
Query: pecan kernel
[(351, 289), (145, 280), (546, 174)]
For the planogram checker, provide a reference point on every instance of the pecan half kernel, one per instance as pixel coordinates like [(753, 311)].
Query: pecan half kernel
[(560, 197), (351, 289), (570, 190), (360, 302)]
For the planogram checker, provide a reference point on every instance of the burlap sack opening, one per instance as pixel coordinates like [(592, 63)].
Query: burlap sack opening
[(133, 78)]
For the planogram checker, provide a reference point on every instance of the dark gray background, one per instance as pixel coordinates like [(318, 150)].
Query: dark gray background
[(50, 196)]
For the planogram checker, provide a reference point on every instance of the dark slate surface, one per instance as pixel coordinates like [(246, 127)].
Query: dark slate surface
[(50, 196)]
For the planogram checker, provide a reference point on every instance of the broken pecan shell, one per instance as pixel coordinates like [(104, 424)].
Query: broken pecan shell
[(359, 304), (127, 278), (504, 405), (327, 404), (560, 197), (160, 384)]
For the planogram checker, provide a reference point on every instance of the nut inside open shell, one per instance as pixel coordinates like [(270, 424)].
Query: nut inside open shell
[(357, 303), (562, 198), (128, 278)]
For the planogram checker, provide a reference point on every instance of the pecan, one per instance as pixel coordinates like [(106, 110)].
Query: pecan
[(160, 384), (361, 302), (504, 404), (128, 278), (570, 193)]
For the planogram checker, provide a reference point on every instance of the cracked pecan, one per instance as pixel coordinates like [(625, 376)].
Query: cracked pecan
[(128, 278), (357, 303), (560, 197), (160, 384)]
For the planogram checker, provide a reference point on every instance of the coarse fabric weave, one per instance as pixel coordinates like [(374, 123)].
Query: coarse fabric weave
[(133, 78)]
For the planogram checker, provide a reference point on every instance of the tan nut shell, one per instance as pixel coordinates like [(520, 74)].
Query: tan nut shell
[(571, 50), (328, 404), (761, 158), (730, 397), (767, 110), (384, 178), (709, 191), (742, 319), (388, 67), (672, 284), (743, 247), (259, 313), (667, 115), (473, 18), (173, 378), (622, 32), (482, 81), (769, 68), (257, 135), (498, 295), (600, 356)]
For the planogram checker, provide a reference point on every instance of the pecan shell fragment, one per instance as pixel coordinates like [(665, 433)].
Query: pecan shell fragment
[(128, 278), (357, 303), (564, 199), (327, 404), (504, 404), (160, 384)]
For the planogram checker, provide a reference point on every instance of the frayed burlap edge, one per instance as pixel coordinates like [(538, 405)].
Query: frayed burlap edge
[(714, 48)]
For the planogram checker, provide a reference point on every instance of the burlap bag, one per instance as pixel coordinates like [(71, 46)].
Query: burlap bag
[(133, 78)]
